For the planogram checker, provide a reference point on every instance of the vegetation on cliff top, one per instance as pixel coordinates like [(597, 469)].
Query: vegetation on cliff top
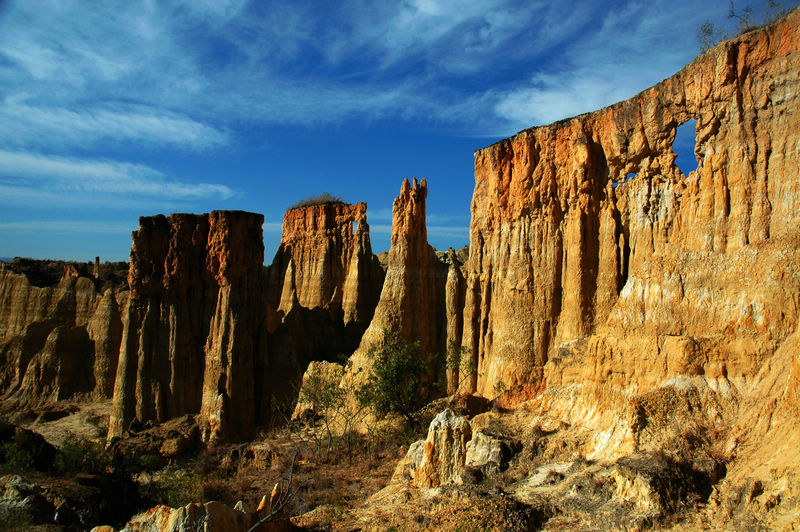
[(322, 199), (710, 34), (43, 273)]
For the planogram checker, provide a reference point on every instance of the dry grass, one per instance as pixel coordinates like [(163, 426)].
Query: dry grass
[(247, 472)]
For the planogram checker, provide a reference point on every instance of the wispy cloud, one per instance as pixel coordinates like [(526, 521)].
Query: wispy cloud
[(433, 230), (273, 227), (44, 125), (186, 74), (67, 226), (35, 180), (627, 50)]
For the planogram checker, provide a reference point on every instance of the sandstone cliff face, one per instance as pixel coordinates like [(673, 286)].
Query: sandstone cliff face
[(209, 331), (662, 275), (57, 341), (642, 313), (194, 335), (412, 302), (325, 261)]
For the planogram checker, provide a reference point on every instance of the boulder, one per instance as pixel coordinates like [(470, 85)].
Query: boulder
[(409, 464), (23, 502), (488, 454), (445, 450)]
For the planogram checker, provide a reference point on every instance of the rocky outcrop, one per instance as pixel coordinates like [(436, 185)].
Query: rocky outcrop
[(488, 454), (213, 516), (325, 279), (164, 442), (445, 450), (454, 306), (325, 260), (105, 332), (323, 287), (656, 276), (195, 325), (412, 302), (57, 340), (60, 369), (452, 453)]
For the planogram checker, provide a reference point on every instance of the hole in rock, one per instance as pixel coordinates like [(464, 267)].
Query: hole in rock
[(628, 177), (684, 145), (355, 227)]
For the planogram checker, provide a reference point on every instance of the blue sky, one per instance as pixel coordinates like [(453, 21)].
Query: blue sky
[(114, 110)]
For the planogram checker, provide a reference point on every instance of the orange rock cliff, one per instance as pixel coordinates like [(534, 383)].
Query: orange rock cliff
[(661, 275), (194, 335), (325, 261), (60, 340), (209, 330), (640, 319), (576, 277), (413, 300)]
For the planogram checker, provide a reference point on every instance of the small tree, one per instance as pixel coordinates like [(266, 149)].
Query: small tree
[(327, 400), (742, 16), (459, 368), (709, 34), (399, 382)]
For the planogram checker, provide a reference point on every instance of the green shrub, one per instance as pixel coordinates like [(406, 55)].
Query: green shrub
[(178, 490), (149, 462), (399, 380), (81, 456), (15, 457)]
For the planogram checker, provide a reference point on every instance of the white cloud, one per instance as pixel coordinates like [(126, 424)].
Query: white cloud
[(81, 74), (434, 231), (629, 49), (554, 97), (186, 74), (443, 231), (40, 125), (39, 180)]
